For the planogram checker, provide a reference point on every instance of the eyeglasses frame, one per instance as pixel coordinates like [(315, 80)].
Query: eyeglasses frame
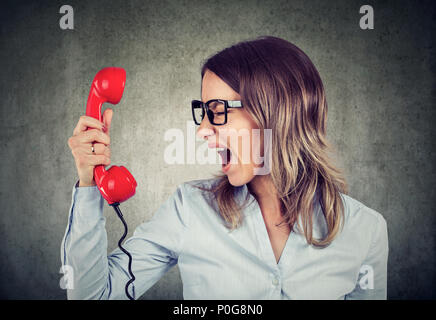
[(205, 108)]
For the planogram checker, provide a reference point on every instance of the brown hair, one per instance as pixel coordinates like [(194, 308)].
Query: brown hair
[(282, 90)]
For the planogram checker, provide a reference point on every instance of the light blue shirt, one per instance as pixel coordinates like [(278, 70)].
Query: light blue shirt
[(215, 263)]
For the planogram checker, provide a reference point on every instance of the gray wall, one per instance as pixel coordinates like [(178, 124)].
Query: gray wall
[(380, 89)]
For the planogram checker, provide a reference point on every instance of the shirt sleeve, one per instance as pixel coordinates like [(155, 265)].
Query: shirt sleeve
[(372, 280), (154, 246)]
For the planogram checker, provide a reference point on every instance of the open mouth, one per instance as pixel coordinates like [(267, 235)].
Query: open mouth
[(226, 156)]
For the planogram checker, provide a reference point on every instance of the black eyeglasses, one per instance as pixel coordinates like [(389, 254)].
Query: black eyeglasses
[(216, 110)]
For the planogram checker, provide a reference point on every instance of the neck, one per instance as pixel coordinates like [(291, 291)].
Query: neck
[(263, 189)]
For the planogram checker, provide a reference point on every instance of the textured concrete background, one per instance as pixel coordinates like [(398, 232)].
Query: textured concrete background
[(380, 88)]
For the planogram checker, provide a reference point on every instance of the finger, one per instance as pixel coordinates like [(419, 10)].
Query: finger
[(86, 122), (98, 159), (94, 135), (107, 118), (99, 148)]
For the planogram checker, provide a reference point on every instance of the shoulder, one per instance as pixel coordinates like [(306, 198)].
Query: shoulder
[(195, 189), (195, 198), (187, 198), (195, 185), (355, 209), (359, 216)]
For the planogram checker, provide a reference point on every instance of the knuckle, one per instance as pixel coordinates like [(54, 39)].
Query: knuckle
[(93, 133), (100, 137), (72, 142), (103, 137)]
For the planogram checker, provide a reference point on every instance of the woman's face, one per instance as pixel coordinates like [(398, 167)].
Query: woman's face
[(236, 135)]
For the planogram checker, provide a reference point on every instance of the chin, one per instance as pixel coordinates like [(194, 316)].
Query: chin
[(238, 179)]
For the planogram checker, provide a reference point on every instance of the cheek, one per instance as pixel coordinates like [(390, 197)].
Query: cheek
[(244, 170), (250, 149), (241, 130)]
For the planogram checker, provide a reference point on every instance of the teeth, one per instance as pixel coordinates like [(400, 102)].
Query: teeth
[(220, 149)]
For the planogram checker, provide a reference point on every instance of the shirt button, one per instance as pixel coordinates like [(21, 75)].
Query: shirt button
[(275, 281)]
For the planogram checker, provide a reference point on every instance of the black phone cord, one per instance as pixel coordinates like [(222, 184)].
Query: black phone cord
[(115, 205)]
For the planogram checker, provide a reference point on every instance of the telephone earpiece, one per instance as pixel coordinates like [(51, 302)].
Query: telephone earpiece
[(115, 184)]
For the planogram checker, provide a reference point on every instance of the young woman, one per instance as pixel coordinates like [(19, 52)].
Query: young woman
[(289, 232)]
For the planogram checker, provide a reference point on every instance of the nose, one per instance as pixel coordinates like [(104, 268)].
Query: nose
[(205, 129)]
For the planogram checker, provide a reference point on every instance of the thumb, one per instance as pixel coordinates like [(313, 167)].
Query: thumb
[(107, 118)]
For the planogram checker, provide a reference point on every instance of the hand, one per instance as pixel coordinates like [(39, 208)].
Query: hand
[(81, 146)]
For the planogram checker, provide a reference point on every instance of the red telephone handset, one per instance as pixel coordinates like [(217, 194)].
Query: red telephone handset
[(115, 184)]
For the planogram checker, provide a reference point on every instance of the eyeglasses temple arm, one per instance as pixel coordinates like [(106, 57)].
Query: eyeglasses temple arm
[(234, 104)]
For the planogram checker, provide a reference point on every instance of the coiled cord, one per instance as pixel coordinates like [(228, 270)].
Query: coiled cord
[(115, 205)]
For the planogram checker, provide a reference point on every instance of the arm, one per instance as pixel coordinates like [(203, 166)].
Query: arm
[(154, 246), (372, 280)]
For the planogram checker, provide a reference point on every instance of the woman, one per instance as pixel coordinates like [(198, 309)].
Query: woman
[(290, 232)]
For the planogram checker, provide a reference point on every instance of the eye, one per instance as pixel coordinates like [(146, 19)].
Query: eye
[(217, 107)]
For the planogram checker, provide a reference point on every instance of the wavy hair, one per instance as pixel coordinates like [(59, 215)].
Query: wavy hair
[(282, 91)]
